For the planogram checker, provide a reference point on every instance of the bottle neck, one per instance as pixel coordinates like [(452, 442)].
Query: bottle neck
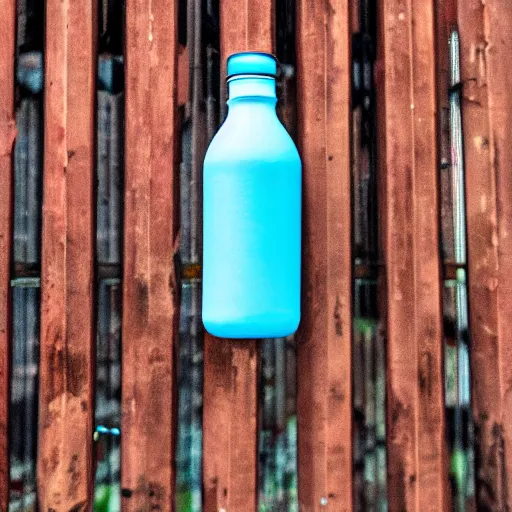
[(251, 87)]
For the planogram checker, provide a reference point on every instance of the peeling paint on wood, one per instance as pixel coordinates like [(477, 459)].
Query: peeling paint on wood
[(486, 47), (150, 284), (325, 335), (7, 135), (64, 473), (417, 458)]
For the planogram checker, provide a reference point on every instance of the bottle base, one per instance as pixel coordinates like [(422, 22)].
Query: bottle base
[(263, 326)]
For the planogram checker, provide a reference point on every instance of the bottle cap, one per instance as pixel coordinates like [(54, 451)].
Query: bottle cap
[(252, 63)]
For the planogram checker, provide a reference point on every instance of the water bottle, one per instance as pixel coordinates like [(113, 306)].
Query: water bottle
[(252, 211)]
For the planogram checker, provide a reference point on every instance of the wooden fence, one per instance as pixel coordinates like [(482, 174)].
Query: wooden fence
[(413, 84)]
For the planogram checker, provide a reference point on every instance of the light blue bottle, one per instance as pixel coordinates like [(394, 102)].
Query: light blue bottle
[(252, 212)]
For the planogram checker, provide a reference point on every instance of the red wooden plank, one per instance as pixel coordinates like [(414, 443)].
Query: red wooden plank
[(150, 285), (231, 367), (67, 335), (487, 115), (246, 25), (325, 334), (7, 134), (230, 424), (417, 467), (183, 76), (355, 17)]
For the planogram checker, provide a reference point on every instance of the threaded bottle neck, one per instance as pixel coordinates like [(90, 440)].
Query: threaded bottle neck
[(251, 86)]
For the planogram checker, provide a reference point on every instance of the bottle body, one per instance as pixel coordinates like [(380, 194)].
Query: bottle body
[(252, 225)]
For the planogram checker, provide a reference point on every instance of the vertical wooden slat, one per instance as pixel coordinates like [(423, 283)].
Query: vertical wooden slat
[(417, 469), (355, 17), (7, 134), (486, 47), (150, 285), (67, 336), (230, 423), (244, 25), (230, 418), (325, 334)]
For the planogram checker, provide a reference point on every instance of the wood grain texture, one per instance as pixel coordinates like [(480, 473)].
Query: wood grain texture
[(325, 334), (230, 422), (245, 25), (417, 465), (486, 47), (7, 135), (150, 284), (64, 473), (230, 414)]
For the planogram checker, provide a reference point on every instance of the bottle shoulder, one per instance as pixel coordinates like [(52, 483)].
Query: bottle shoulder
[(249, 137)]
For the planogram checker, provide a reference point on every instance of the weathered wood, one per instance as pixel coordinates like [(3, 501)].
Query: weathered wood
[(417, 465), (183, 93), (150, 283), (355, 16), (230, 424), (230, 439), (325, 334), (486, 47), (7, 135), (247, 25), (65, 480)]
